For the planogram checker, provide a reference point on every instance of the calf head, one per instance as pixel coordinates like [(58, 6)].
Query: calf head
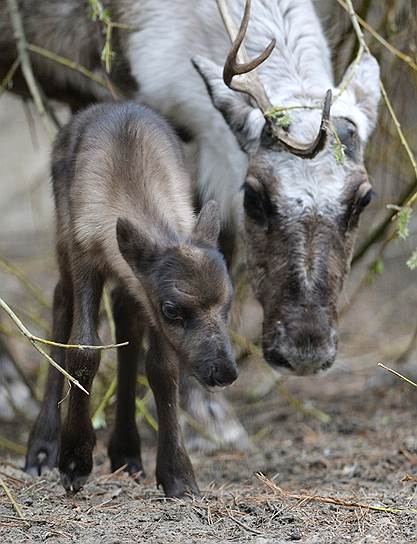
[(302, 202), (188, 294)]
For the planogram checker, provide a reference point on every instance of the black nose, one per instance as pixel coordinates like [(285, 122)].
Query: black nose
[(224, 373)]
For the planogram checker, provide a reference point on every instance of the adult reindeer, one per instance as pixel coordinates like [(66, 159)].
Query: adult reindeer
[(297, 214)]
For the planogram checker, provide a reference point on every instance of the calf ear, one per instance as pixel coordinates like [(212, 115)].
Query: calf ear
[(207, 228), (362, 87), (245, 121), (136, 248)]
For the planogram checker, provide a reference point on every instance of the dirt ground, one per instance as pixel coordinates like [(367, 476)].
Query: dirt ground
[(351, 479)]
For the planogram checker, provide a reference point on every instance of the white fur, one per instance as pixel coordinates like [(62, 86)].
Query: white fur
[(297, 73)]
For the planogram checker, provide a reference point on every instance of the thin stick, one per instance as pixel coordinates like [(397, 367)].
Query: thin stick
[(4, 85), (331, 500), (27, 71), (35, 338), (17, 273), (413, 197), (103, 403), (7, 444), (405, 58), (398, 374), (12, 500), (300, 406), (255, 351), (77, 346), (68, 63), (363, 45), (4, 347), (245, 527), (109, 314), (29, 336), (141, 407)]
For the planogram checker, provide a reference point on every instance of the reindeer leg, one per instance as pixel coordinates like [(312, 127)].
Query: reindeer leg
[(43, 441), (124, 445), (77, 437), (173, 466)]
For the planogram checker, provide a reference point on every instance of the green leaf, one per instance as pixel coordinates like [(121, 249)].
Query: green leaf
[(339, 152), (284, 121), (377, 266), (403, 222), (412, 261)]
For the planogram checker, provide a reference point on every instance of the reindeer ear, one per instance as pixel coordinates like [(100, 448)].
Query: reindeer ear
[(361, 93), (245, 121), (207, 228), (135, 246)]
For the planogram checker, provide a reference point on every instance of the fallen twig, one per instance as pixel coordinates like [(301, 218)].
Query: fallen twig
[(332, 500), (12, 500), (398, 374)]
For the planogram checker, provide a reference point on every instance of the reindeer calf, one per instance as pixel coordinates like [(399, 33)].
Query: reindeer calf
[(123, 202)]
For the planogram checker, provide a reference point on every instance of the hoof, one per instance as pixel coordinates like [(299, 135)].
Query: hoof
[(74, 475), (41, 457), (132, 465), (126, 453), (179, 488)]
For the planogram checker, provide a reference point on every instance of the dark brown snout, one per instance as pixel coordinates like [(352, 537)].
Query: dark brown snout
[(303, 349), (215, 367)]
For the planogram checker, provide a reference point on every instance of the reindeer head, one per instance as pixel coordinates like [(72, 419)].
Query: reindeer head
[(188, 294), (302, 201)]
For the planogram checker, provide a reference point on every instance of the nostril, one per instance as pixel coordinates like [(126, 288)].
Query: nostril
[(224, 374), (276, 359), (233, 371)]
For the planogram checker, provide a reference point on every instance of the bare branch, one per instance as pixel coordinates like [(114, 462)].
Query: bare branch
[(26, 64)]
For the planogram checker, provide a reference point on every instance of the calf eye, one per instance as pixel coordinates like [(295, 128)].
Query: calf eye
[(171, 312)]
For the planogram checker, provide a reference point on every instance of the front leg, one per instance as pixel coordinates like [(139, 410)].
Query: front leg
[(173, 466), (78, 438), (43, 444)]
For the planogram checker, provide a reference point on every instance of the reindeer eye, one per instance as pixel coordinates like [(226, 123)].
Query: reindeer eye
[(366, 198), (171, 312)]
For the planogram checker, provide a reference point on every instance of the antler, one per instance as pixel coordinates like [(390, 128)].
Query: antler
[(238, 64)]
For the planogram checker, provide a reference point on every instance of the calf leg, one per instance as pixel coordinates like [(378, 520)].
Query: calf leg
[(173, 466), (44, 438), (124, 445), (78, 438)]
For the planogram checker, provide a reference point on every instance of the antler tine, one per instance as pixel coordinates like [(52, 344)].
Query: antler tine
[(306, 151), (237, 62)]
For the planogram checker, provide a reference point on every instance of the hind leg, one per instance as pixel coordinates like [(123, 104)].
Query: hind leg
[(44, 437), (124, 445)]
